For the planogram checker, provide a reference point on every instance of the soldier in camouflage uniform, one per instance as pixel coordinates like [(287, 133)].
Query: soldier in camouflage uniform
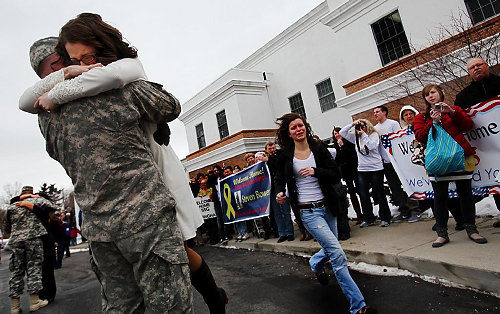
[(25, 231), (129, 214)]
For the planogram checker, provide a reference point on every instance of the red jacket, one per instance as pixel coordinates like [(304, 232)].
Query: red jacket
[(455, 124)]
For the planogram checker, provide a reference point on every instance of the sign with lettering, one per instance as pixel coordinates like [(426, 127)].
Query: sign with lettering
[(206, 207), (485, 135), (245, 195)]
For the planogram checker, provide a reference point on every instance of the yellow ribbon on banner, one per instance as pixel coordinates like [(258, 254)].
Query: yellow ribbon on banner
[(227, 197)]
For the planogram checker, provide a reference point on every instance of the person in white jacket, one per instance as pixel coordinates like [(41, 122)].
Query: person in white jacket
[(84, 80), (370, 170)]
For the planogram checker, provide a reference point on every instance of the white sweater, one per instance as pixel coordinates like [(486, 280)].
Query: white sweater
[(372, 161), (115, 75)]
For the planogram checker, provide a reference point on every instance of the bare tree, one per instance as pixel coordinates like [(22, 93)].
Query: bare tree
[(9, 191), (444, 61)]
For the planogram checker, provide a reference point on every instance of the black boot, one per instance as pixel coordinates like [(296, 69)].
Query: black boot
[(204, 282)]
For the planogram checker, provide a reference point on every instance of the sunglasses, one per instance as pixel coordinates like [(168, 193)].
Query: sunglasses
[(87, 59)]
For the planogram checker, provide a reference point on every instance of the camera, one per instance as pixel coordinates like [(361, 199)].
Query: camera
[(438, 107), (358, 127)]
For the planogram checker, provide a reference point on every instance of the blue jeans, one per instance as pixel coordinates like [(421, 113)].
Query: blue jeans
[(282, 217), (241, 227), (375, 179), (322, 225)]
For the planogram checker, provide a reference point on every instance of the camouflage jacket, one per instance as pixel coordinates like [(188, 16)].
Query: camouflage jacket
[(22, 223), (101, 145)]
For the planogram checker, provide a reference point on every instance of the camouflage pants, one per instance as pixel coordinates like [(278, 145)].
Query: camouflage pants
[(146, 272), (27, 257)]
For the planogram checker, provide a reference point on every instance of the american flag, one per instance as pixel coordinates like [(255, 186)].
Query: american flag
[(386, 143), (480, 190)]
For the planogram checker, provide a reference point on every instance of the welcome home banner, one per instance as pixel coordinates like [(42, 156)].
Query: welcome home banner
[(485, 135), (245, 195)]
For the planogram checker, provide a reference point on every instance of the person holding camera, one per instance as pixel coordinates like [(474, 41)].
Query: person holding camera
[(370, 170), (455, 122)]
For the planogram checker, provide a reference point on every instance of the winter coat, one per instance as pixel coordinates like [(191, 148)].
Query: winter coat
[(455, 124), (326, 171), (478, 91)]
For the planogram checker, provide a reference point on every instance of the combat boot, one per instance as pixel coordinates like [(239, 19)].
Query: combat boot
[(15, 307), (36, 303)]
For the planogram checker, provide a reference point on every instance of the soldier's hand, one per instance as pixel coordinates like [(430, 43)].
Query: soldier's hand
[(45, 103), (25, 204)]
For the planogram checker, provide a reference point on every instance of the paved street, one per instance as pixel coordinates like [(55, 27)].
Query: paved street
[(261, 282)]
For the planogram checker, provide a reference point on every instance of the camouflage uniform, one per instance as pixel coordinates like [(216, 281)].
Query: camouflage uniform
[(128, 211), (26, 245)]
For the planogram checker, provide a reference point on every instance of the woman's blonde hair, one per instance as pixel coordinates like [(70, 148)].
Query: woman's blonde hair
[(369, 126)]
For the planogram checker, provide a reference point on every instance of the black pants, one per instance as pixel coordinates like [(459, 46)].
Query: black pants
[(466, 202), (398, 194), (220, 222), (496, 197), (61, 247), (343, 228), (48, 291), (375, 179)]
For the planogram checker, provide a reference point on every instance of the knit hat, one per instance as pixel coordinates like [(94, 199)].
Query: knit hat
[(402, 122), (40, 50), (27, 188)]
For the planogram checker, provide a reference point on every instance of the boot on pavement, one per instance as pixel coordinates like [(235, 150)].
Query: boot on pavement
[(36, 303), (15, 307), (215, 297)]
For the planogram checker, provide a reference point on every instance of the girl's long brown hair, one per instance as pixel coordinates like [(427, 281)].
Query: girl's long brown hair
[(89, 29), (283, 134)]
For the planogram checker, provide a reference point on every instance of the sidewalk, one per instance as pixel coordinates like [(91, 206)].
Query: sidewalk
[(408, 246)]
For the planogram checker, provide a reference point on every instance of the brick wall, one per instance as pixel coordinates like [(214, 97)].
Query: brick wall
[(232, 138), (236, 160), (414, 100), (476, 33)]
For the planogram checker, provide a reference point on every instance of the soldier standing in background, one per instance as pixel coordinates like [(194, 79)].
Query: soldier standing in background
[(25, 231)]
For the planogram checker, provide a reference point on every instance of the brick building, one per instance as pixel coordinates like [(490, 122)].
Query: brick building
[(336, 63)]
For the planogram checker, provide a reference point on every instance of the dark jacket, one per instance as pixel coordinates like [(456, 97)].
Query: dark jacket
[(455, 125), (272, 165), (347, 158), (479, 91), (326, 171)]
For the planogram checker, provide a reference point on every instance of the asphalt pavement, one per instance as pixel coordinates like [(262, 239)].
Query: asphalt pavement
[(266, 282)]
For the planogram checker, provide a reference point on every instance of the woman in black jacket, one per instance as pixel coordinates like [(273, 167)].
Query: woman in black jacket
[(347, 159), (310, 173)]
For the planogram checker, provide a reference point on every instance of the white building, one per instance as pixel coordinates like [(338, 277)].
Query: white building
[(331, 64)]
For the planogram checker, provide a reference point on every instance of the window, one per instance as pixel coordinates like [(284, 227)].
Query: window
[(296, 104), (222, 123), (326, 95), (200, 136), (480, 10), (390, 37)]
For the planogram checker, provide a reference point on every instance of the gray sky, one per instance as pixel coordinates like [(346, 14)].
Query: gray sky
[(183, 45)]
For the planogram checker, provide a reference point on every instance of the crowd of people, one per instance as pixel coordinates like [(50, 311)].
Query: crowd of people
[(365, 167), (139, 212)]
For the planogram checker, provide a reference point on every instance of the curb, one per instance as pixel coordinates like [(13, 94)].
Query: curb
[(479, 279)]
